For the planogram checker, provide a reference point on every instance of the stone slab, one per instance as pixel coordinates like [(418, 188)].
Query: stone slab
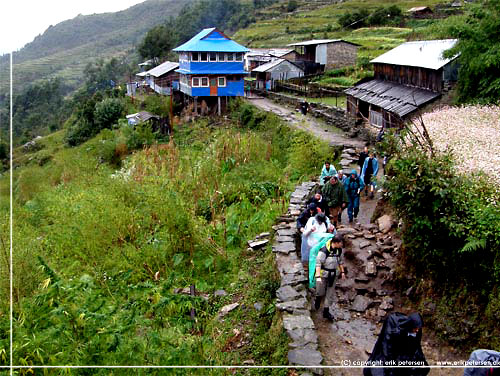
[(284, 247), (291, 322), (292, 305), (305, 357), (288, 293)]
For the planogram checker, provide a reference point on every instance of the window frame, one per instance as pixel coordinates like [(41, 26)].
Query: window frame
[(229, 54), (201, 55), (238, 57), (195, 78), (221, 56), (198, 56), (210, 57), (201, 82), (218, 81)]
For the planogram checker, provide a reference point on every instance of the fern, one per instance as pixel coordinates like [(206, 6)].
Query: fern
[(473, 245)]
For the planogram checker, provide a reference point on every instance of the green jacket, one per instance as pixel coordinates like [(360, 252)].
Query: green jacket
[(334, 195)]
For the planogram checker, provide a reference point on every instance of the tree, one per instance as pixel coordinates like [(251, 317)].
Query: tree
[(479, 49), (158, 42), (291, 6), (108, 112)]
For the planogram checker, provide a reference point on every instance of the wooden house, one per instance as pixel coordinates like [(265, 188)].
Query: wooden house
[(211, 66), (259, 56), (163, 78), (277, 70), (324, 54), (407, 78)]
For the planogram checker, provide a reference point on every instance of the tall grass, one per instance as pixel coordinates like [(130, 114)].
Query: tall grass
[(98, 250)]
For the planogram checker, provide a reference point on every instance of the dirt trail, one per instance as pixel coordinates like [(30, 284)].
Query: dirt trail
[(307, 123), (354, 331)]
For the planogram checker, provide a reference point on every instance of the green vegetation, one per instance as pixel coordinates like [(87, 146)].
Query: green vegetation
[(37, 110), (227, 15), (390, 15), (451, 239), (479, 58), (99, 250)]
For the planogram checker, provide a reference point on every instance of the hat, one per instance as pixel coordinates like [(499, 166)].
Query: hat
[(312, 206)]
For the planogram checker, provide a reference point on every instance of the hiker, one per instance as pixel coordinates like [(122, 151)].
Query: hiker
[(369, 172), (341, 176), (328, 261), (380, 135), (483, 358), (336, 197), (304, 106), (362, 156), (315, 225), (305, 215), (319, 201), (326, 173), (398, 344), (353, 186)]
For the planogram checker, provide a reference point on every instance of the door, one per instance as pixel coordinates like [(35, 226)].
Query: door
[(213, 86)]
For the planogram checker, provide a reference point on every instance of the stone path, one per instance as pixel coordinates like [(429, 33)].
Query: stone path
[(315, 126), (364, 298)]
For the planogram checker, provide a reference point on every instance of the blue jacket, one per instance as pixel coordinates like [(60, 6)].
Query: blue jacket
[(352, 185), (325, 173), (374, 165)]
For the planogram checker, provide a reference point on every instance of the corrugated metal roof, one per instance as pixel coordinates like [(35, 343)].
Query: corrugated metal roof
[(320, 41), (163, 68), (393, 97), (211, 40), (278, 52), (268, 66), (424, 54)]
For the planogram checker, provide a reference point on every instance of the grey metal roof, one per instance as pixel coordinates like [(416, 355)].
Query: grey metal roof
[(393, 97), (268, 66), (278, 52), (424, 54), (163, 68), (320, 41)]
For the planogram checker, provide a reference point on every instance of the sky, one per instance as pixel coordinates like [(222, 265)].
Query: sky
[(23, 20)]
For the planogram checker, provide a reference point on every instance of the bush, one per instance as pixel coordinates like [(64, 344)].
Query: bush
[(450, 223), (108, 112)]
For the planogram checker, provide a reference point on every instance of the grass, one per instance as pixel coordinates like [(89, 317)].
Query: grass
[(101, 249), (331, 101)]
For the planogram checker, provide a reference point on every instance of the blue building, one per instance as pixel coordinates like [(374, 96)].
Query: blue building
[(211, 65)]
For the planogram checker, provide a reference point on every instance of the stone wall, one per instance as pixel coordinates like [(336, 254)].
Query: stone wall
[(340, 55), (292, 296)]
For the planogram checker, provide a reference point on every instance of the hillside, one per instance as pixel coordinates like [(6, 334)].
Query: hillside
[(64, 49), (320, 20)]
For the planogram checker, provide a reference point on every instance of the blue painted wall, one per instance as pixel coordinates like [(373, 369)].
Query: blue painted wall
[(219, 67), (232, 89)]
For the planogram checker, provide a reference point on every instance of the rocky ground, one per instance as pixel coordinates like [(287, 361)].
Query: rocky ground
[(368, 293)]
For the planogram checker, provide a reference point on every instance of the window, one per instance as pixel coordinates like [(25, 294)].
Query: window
[(196, 82), (204, 81), (221, 56), (203, 56), (239, 56), (195, 56), (213, 56), (221, 82), (230, 57)]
